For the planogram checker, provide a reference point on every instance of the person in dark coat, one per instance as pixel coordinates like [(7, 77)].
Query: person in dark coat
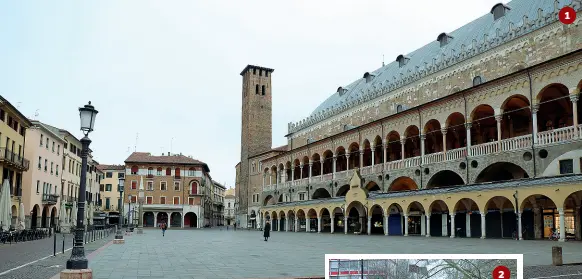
[(267, 230)]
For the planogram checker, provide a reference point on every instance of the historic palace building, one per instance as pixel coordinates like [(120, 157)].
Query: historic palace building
[(178, 190), (476, 134)]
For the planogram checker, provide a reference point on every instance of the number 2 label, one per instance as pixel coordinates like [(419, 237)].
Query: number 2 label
[(501, 272)]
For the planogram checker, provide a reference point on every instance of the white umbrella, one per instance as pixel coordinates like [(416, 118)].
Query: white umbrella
[(63, 215), (90, 212), (21, 217), (5, 206), (73, 220)]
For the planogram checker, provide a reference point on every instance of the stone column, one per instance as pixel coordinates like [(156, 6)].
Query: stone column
[(321, 163), (538, 223), (444, 132), (310, 170), (296, 224), (422, 225), (270, 177), (468, 128), (332, 224), (287, 224), (369, 225), (318, 224), (307, 224), (405, 224), (574, 100), (428, 225), (345, 224), (361, 158), (562, 225), (498, 118), (333, 166), (155, 219), (347, 161), (385, 159), (519, 232), (577, 227), (373, 159), (422, 138), (264, 180), (402, 142), (483, 234), (534, 119), (284, 175), (385, 225), (300, 170), (293, 173), (453, 228), (445, 226), (468, 224)]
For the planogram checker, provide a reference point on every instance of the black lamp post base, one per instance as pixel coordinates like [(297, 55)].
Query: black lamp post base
[(78, 259)]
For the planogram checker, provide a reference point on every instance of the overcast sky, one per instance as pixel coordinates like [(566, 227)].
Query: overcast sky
[(170, 69)]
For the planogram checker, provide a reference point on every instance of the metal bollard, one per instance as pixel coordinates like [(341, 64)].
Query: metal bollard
[(54, 243), (63, 244), (557, 256)]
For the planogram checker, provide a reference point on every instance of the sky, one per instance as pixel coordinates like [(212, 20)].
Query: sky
[(167, 72)]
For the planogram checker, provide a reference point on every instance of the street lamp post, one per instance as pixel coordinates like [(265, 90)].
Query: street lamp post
[(78, 263), (119, 235)]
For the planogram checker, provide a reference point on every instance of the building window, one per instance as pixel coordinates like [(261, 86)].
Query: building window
[(45, 164), (194, 188), (108, 187), (257, 89), (191, 201), (159, 172), (163, 186), (150, 186), (162, 200), (133, 184), (477, 80), (58, 149), (176, 185), (149, 200), (177, 172), (168, 171), (37, 186), (134, 169), (101, 187), (52, 164), (41, 139), (301, 196), (176, 200), (53, 146), (107, 203), (263, 90), (566, 166), (47, 143), (39, 162), (109, 174), (133, 199), (57, 170), (191, 172)]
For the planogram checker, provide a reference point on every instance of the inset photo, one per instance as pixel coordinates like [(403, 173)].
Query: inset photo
[(423, 266)]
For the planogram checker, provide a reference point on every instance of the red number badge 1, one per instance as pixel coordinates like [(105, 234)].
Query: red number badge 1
[(501, 272), (567, 15)]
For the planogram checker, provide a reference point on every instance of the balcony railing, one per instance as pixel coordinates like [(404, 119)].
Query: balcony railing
[(550, 137), (150, 176), (13, 159), (50, 198), (177, 177)]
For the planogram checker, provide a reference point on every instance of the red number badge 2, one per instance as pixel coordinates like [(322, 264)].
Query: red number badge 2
[(501, 272)]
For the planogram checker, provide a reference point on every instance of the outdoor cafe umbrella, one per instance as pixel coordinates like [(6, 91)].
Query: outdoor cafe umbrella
[(73, 215), (5, 206), (63, 215)]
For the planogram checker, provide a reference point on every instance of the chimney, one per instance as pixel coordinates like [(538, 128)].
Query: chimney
[(168, 153)]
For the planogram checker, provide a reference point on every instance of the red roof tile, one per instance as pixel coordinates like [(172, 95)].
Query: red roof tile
[(146, 157), (281, 148), (110, 167)]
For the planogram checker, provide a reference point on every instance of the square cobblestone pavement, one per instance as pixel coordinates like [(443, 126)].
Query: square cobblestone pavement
[(214, 253)]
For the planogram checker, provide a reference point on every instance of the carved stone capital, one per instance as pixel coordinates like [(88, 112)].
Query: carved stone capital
[(574, 98), (422, 137), (444, 131), (468, 125), (498, 117)]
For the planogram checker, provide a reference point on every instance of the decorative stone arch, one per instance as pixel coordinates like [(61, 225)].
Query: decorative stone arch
[(501, 171), (372, 186), (354, 152), (322, 212), (445, 178), (403, 183), (438, 206), (300, 213), (415, 207), (505, 106), (374, 207), (431, 125), (553, 168), (455, 120), (498, 202), (466, 204), (268, 200), (54, 217), (394, 208), (482, 112), (411, 131), (312, 213), (321, 193), (343, 190), (395, 219)]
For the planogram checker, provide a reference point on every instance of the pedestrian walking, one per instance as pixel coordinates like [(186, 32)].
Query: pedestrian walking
[(267, 230), (164, 227)]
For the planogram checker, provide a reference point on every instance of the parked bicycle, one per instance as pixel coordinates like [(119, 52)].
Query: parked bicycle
[(554, 235)]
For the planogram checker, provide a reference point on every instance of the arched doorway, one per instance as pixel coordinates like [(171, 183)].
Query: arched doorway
[(338, 222), (467, 218), (148, 219), (321, 193), (439, 219), (325, 220), (34, 217), (176, 219), (395, 224), (253, 219), (377, 214), (357, 218), (501, 171), (539, 214), (500, 221), (54, 215), (190, 220), (301, 220), (572, 216), (282, 221), (312, 225), (45, 216), (274, 221), (291, 225), (162, 218), (415, 220)]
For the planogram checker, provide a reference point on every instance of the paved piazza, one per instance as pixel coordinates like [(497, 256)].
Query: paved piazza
[(212, 253)]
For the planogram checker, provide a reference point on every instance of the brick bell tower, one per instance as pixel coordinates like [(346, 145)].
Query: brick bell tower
[(256, 134)]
